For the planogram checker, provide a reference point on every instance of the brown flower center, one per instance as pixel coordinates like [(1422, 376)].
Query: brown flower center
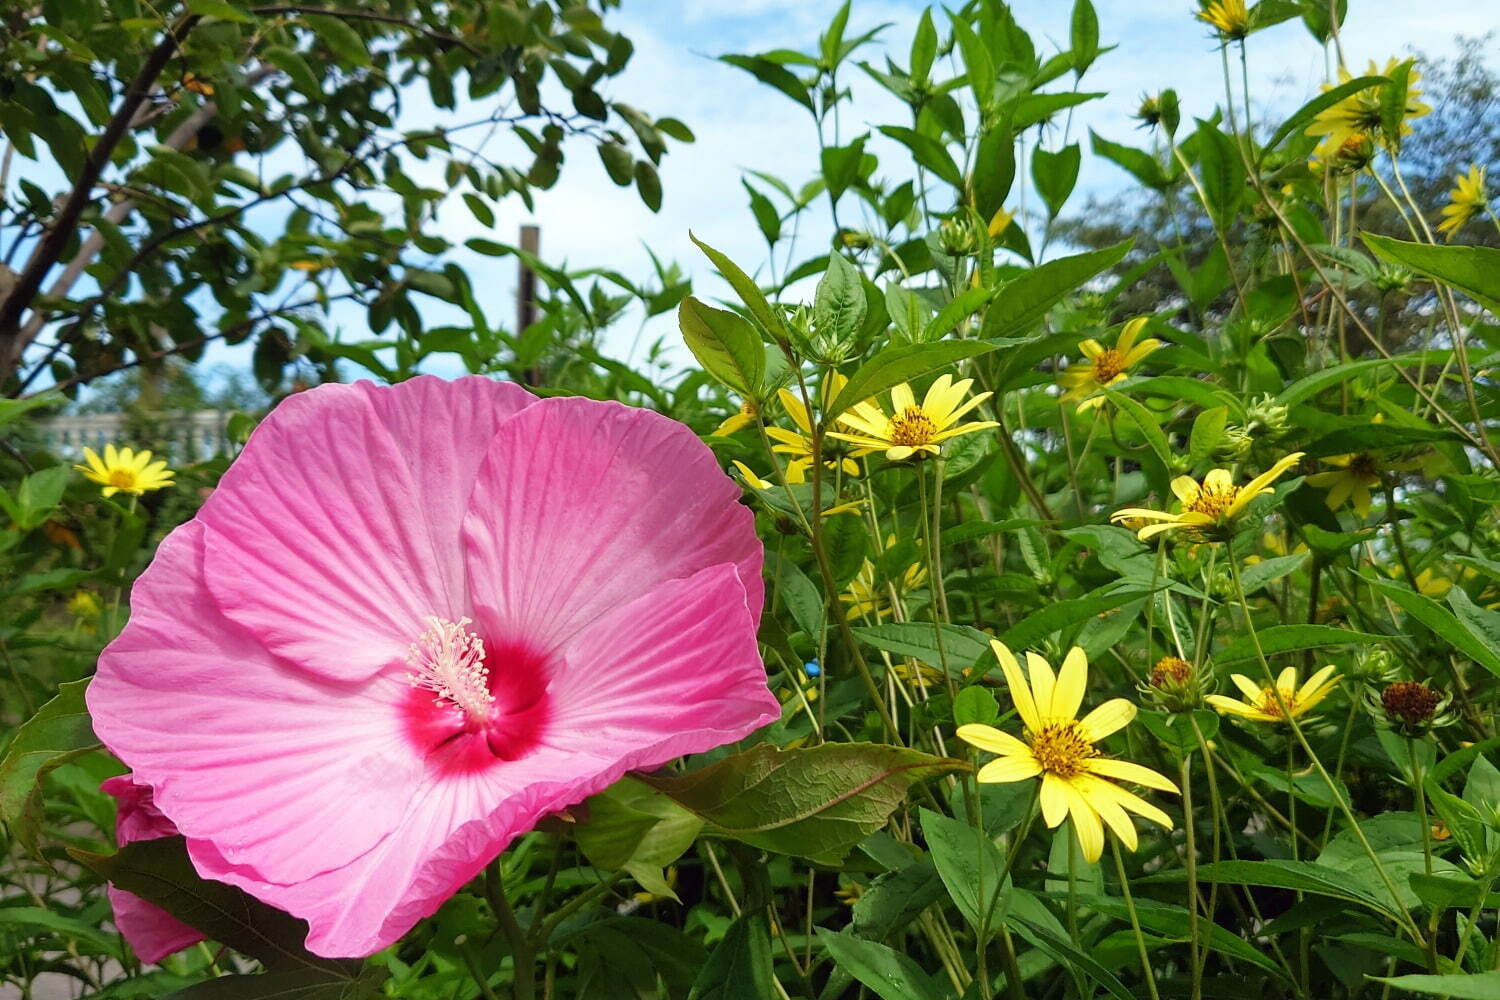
[(1214, 502), (1108, 366), (1270, 706), (1364, 466), (1061, 749), (1170, 670), (912, 428), (1410, 701)]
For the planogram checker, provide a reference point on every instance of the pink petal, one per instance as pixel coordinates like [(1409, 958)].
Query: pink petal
[(675, 672), (335, 533), (152, 932), (581, 506), (285, 772)]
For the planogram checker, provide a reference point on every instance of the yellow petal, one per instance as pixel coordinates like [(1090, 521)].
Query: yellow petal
[(1053, 799), (1124, 770), (1007, 769), (1086, 823), (1020, 693), (1072, 682), (1248, 688), (1185, 488), (902, 398), (992, 739), (1108, 807), (1315, 681), (1108, 718), (1043, 681)]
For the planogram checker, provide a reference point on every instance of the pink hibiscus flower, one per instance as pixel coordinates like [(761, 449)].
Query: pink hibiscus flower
[(152, 932), (413, 620)]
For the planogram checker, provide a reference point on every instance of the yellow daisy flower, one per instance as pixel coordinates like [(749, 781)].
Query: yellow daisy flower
[(867, 596), (125, 470), (1228, 17), (914, 430), (1077, 780), (1359, 114), (1354, 478), (1261, 704), (83, 604), (1209, 509), (1465, 201), (798, 443), (1105, 366)]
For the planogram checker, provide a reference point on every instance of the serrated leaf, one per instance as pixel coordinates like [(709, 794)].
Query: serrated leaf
[(1292, 638), (725, 345), (814, 802), (57, 733)]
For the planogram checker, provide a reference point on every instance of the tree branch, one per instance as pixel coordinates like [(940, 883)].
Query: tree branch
[(61, 229)]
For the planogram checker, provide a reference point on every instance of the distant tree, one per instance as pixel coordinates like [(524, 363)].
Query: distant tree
[(178, 173)]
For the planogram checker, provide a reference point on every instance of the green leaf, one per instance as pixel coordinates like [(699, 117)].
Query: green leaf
[(1084, 35), (889, 974), (895, 898), (1443, 623), (1220, 171), (1311, 385), (218, 8), (57, 733), (299, 984), (749, 292), (1140, 164), (648, 185), (994, 170), (814, 802), (1056, 174), (340, 38), (725, 345), (839, 301), (924, 44), (1146, 422), (1327, 99), (1306, 876), (773, 75), (901, 363), (160, 872), (929, 152), (841, 166), (304, 80), (1480, 623), (740, 967), (1059, 615), (1023, 301), (967, 859), (959, 308), (27, 921), (1457, 986), (979, 67), (634, 828), (976, 704), (1290, 638), (1473, 270), (963, 645)]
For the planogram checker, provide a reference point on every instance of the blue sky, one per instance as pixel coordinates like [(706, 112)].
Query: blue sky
[(742, 125)]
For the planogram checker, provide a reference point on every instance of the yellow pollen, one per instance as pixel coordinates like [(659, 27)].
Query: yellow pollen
[(1213, 502), (1108, 366), (911, 428), (122, 479), (1060, 748), (448, 660), (1269, 706)]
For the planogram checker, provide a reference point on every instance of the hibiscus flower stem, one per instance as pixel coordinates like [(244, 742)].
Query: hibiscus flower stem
[(522, 952)]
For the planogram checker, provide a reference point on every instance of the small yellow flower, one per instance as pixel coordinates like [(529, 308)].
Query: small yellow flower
[(1228, 17), (1359, 114), (914, 430), (1077, 780), (755, 482), (84, 604), (1466, 200), (742, 418), (866, 596), (1105, 366), (125, 470), (798, 443), (1262, 705), (1209, 509)]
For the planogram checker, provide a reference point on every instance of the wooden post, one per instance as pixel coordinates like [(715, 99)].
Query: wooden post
[(531, 243)]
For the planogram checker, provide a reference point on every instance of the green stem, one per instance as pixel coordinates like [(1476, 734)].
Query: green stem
[(1135, 921), (522, 951), (1190, 859)]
